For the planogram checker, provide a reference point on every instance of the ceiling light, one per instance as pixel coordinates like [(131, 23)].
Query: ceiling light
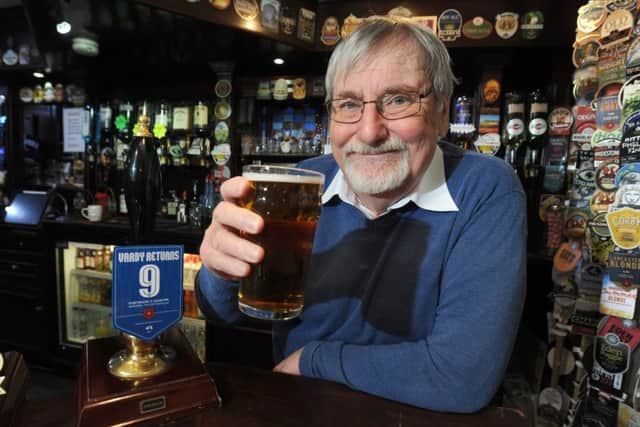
[(85, 45), (278, 61), (63, 27), (38, 75)]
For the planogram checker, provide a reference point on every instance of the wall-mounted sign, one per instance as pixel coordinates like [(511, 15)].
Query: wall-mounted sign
[(246, 9), (449, 25), (220, 4), (330, 34), (532, 25), (270, 14), (306, 24), (586, 51), (299, 88), (506, 24), (477, 28), (591, 17), (349, 25), (616, 28)]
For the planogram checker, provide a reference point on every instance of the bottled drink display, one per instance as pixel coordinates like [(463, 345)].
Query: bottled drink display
[(537, 133), (513, 128), (91, 155), (462, 129), (160, 132), (123, 133), (105, 136)]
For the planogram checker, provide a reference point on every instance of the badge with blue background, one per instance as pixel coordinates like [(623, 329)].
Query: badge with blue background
[(147, 289)]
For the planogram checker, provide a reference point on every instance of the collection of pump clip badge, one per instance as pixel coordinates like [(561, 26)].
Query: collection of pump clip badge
[(597, 271), (449, 25)]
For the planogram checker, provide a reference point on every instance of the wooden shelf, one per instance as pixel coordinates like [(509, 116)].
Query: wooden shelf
[(277, 157), (92, 307), (92, 273)]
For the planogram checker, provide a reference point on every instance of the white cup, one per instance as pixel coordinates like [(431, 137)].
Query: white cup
[(92, 212)]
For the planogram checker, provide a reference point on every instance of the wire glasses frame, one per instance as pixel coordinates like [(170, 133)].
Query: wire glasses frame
[(394, 106)]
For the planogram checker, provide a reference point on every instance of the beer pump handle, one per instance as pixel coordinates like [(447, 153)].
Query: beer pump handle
[(143, 184)]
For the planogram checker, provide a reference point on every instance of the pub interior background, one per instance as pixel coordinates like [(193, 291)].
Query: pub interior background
[(214, 66)]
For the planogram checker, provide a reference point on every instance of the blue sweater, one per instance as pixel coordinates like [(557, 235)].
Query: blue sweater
[(417, 306)]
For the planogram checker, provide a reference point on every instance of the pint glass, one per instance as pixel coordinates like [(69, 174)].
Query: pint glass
[(289, 200)]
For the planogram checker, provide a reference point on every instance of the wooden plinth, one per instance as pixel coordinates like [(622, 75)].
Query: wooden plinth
[(15, 373), (182, 393)]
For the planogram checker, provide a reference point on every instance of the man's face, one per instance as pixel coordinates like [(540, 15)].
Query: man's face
[(387, 157)]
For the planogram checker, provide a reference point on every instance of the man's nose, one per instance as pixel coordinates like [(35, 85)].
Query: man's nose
[(373, 127)]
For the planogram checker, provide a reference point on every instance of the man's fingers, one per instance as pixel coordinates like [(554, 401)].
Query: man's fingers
[(234, 189), (233, 216), (229, 243)]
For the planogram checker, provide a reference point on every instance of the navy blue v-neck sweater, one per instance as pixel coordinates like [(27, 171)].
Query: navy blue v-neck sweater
[(416, 306)]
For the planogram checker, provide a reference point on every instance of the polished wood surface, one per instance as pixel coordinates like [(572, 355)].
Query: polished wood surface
[(181, 392), (258, 398), (13, 383)]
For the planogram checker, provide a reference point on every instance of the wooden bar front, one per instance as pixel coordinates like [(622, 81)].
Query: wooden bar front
[(253, 397)]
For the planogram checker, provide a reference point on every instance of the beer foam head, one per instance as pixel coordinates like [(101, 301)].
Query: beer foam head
[(317, 178)]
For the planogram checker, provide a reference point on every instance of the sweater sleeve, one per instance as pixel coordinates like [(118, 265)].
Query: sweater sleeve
[(459, 366), (217, 298)]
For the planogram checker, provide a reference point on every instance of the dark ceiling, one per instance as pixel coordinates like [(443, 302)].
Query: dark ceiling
[(144, 46)]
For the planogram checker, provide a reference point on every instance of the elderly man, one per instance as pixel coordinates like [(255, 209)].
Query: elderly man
[(417, 277)]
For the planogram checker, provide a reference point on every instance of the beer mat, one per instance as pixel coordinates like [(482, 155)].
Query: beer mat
[(222, 110)]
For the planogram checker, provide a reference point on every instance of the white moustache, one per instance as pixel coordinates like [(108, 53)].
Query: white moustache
[(357, 147)]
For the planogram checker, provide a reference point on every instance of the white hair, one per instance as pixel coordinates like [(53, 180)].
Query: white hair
[(370, 35)]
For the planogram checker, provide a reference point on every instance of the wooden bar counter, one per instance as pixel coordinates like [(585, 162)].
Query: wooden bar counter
[(255, 398)]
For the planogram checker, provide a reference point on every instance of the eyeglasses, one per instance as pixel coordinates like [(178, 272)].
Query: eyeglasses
[(392, 106)]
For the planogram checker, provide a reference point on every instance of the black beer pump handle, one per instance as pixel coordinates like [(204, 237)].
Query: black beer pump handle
[(143, 184)]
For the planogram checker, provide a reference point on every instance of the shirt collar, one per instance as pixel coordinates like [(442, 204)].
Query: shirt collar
[(430, 194)]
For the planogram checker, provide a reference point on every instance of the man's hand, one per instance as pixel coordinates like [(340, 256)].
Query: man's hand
[(223, 250), (290, 365)]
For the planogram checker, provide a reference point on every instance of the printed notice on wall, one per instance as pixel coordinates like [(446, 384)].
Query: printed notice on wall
[(72, 130)]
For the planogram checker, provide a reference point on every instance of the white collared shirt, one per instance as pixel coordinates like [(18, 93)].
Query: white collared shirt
[(431, 193)]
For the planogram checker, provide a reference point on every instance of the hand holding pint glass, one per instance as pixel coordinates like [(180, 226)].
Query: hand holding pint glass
[(262, 234), (288, 199)]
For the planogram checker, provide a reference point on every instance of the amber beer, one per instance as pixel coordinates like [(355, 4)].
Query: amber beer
[(289, 201)]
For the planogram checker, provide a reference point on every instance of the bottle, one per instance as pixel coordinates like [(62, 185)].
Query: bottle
[(194, 207), (75, 323), (49, 92), (181, 215), (143, 180), (107, 258), (201, 118), (123, 133), (102, 328), (537, 133), (83, 325), (80, 259), (106, 161), (206, 202), (10, 57), (180, 130), (161, 132), (90, 259), (90, 151), (513, 128), (172, 204), (99, 259), (200, 129), (122, 203), (462, 129)]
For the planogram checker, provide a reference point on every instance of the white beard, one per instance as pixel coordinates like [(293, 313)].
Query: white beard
[(376, 177)]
